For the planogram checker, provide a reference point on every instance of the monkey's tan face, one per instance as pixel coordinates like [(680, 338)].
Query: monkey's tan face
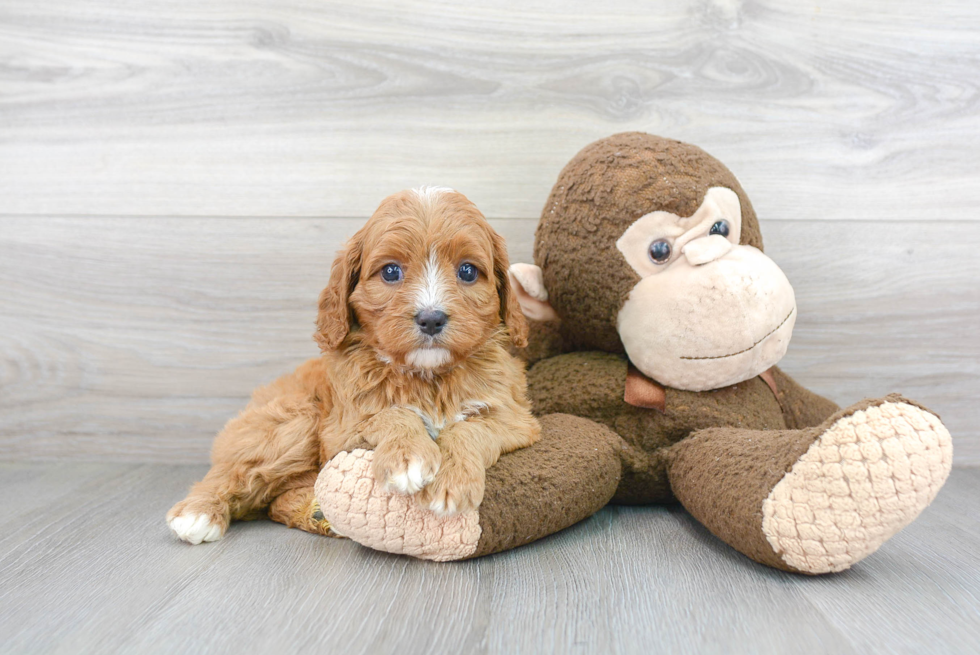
[(707, 312)]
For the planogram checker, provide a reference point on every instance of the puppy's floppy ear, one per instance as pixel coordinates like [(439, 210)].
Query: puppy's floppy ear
[(510, 309), (334, 318)]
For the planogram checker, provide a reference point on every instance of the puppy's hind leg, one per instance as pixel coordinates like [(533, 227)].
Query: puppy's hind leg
[(264, 451), (298, 508)]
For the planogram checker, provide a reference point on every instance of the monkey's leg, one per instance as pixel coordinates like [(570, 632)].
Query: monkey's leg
[(819, 499), (801, 407), (570, 474)]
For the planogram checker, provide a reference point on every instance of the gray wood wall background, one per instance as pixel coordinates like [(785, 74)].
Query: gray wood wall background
[(176, 176)]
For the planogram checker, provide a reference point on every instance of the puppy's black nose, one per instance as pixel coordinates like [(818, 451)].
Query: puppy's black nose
[(431, 321)]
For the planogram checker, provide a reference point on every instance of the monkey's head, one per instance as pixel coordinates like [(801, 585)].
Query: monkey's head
[(650, 246)]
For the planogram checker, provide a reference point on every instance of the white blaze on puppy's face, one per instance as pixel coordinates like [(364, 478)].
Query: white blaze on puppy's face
[(431, 293), (707, 312), (431, 296), (429, 194)]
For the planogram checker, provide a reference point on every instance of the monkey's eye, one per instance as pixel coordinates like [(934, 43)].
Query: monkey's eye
[(467, 272), (659, 251), (391, 273), (720, 227)]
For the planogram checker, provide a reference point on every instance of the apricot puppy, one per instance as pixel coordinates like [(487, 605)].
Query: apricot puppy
[(413, 327)]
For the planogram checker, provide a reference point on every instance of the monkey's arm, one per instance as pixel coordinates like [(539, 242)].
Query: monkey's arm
[(801, 407), (568, 475), (587, 383)]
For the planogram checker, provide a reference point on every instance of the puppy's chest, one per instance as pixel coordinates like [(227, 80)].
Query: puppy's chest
[(436, 418), (437, 409)]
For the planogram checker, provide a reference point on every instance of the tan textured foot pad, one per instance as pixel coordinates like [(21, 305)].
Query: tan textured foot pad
[(360, 508), (867, 477)]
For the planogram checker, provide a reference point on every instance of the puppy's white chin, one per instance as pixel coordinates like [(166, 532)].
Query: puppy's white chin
[(428, 358)]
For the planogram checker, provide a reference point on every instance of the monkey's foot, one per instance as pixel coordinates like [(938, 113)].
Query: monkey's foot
[(865, 478), (821, 499)]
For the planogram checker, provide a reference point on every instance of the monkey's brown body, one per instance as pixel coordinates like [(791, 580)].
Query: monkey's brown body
[(592, 385), (649, 253)]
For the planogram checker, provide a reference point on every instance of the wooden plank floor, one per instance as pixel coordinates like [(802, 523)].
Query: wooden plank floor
[(88, 566)]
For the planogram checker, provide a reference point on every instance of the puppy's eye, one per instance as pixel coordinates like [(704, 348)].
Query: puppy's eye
[(720, 227), (467, 272), (391, 273), (659, 251)]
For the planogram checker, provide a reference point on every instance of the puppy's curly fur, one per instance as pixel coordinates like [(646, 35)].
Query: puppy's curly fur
[(414, 365)]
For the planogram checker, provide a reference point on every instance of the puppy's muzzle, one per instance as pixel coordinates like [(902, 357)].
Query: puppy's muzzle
[(431, 322)]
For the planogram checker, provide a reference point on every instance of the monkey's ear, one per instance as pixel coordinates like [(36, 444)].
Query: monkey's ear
[(334, 318), (510, 310), (528, 284)]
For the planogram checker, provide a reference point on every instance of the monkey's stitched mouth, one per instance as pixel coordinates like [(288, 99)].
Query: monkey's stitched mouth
[(769, 334)]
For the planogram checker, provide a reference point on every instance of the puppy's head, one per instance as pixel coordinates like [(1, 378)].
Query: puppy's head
[(424, 283)]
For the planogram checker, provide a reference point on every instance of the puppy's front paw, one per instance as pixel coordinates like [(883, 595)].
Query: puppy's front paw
[(406, 466), (457, 488)]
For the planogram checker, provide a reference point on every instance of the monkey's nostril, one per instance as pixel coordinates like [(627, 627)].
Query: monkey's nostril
[(431, 322)]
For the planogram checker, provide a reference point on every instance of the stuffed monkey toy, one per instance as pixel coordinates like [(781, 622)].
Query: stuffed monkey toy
[(657, 321)]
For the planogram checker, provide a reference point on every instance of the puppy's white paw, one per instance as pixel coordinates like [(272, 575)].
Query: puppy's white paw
[(456, 489), (443, 506), (411, 480), (195, 528), (404, 466)]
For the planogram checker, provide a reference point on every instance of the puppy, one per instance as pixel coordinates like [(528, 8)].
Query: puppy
[(413, 327)]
